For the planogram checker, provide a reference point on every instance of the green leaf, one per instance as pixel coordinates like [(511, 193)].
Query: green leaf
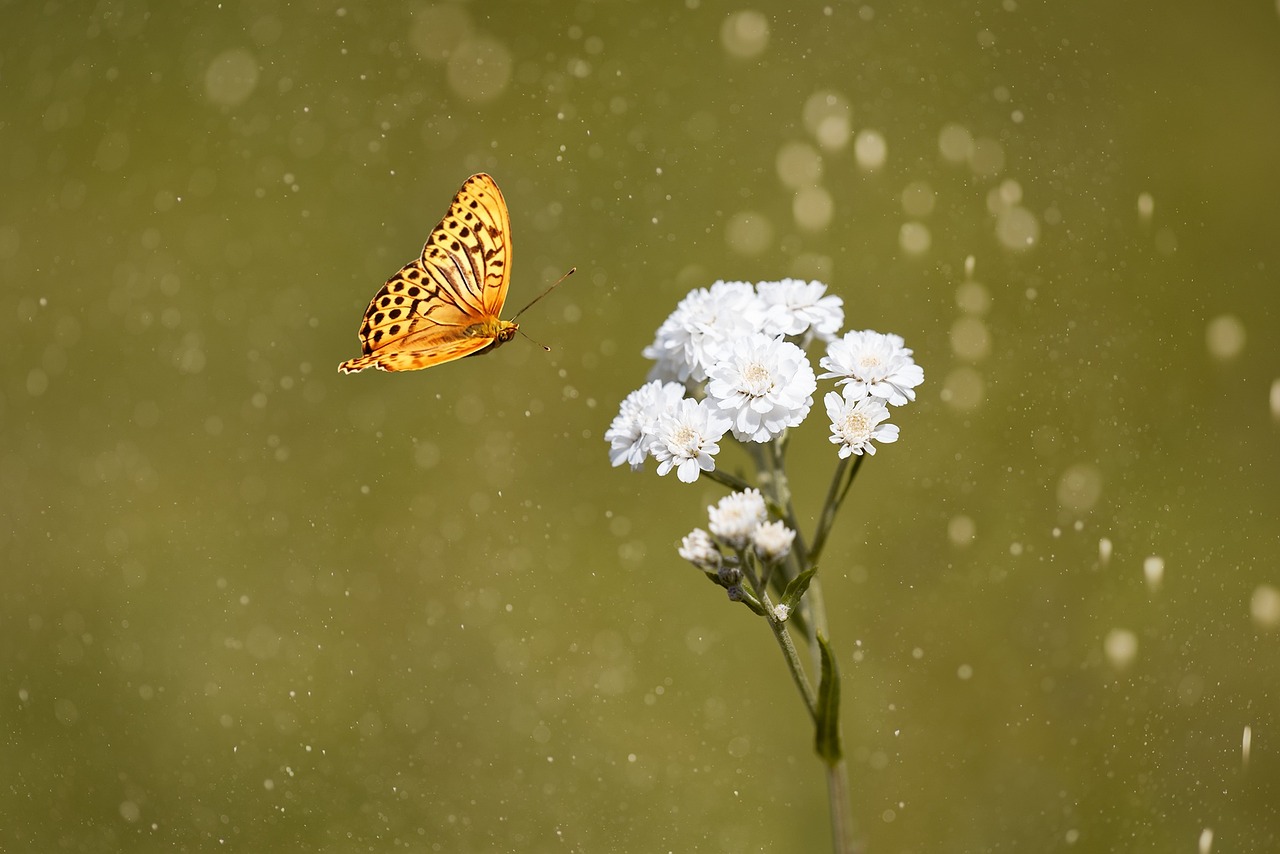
[(827, 719), (796, 589)]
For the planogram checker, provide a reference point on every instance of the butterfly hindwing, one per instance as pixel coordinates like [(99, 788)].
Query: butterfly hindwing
[(445, 305), (413, 360)]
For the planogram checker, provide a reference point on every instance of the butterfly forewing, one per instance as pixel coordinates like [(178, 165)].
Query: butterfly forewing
[(471, 247), (445, 305)]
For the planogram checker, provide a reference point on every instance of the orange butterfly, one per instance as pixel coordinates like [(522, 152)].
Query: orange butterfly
[(445, 304)]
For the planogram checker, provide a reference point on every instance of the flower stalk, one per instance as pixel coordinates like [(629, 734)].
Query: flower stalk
[(730, 367)]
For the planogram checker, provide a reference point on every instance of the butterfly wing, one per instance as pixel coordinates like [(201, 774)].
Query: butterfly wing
[(475, 239), (402, 359), (445, 305), (412, 323)]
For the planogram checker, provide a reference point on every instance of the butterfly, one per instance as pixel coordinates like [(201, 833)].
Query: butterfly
[(445, 304)]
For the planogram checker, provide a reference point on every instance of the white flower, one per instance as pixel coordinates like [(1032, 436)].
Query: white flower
[(691, 338), (781, 611), (765, 384), (875, 364), (793, 307), (854, 423), (735, 518), (633, 430), (773, 541), (687, 438), (700, 550)]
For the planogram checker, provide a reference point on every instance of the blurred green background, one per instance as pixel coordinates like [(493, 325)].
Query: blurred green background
[(253, 605)]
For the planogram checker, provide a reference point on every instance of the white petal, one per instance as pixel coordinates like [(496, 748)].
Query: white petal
[(887, 433)]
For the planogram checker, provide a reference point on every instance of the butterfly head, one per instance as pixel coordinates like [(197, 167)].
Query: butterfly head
[(501, 331)]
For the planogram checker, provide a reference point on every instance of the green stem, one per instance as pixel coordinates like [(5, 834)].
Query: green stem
[(766, 474), (857, 464), (735, 484), (838, 796), (841, 812), (777, 470), (836, 493), (749, 599), (789, 653), (812, 610), (812, 617), (782, 636)]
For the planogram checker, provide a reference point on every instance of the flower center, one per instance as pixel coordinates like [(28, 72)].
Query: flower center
[(685, 437), (856, 426), (869, 362), (756, 380)]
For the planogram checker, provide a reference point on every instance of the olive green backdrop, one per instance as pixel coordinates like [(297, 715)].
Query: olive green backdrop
[(253, 605)]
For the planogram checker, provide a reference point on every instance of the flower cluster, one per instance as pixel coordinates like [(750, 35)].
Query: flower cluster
[(740, 528), (731, 359), (873, 371)]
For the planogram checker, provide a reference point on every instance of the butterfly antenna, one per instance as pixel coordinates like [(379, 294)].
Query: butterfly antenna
[(572, 270), (539, 343)]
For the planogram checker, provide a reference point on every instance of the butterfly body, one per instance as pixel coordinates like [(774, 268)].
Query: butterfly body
[(496, 334), (444, 305)]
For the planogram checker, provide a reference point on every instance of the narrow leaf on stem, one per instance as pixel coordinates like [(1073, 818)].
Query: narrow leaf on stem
[(796, 589), (827, 717)]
